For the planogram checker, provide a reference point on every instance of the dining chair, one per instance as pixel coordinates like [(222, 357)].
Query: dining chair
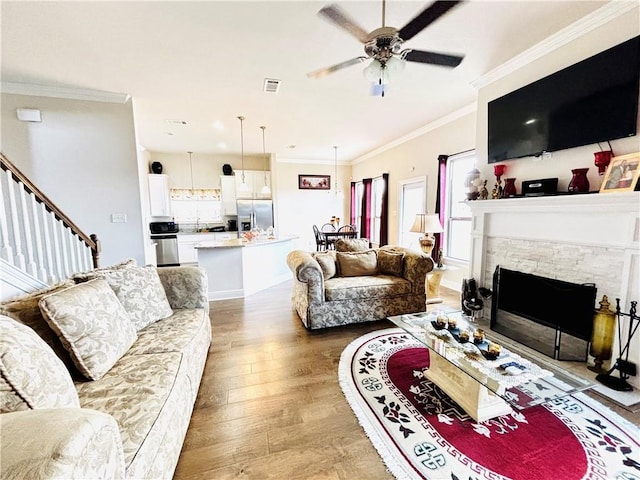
[(321, 241), (327, 227), (349, 231)]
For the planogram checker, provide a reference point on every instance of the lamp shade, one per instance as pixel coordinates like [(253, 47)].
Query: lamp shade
[(427, 223)]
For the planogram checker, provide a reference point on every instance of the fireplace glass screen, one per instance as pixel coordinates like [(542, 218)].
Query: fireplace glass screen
[(551, 316)]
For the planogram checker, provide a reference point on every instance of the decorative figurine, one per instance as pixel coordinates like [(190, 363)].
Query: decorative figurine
[(440, 258), (484, 193)]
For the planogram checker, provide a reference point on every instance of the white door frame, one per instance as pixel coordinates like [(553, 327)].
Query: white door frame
[(422, 181)]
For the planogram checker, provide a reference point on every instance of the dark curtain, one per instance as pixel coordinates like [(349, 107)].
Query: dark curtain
[(384, 211), (441, 195), (365, 221), (352, 204)]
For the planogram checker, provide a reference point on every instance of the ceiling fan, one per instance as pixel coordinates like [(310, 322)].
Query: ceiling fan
[(384, 46)]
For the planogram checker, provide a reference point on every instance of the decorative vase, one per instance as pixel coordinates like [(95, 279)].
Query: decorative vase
[(604, 322), (579, 182), (226, 169), (156, 167), (498, 171), (509, 187), (602, 160)]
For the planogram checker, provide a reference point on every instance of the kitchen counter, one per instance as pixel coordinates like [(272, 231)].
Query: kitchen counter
[(240, 242), (237, 268)]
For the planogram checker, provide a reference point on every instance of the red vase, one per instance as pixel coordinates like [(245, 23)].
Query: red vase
[(509, 187), (579, 182)]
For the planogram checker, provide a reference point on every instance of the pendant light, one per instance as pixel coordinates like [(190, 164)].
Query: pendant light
[(265, 189), (191, 172), (335, 166), (243, 185)]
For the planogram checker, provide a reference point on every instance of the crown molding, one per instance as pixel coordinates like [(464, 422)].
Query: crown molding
[(586, 24), (64, 92), (472, 107)]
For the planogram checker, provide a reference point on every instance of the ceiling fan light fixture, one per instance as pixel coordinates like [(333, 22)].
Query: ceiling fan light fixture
[(384, 73)]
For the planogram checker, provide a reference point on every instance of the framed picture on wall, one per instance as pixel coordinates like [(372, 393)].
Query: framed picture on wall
[(314, 182), (622, 174)]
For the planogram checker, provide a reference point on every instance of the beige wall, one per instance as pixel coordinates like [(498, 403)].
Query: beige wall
[(83, 157), (298, 210), (415, 158)]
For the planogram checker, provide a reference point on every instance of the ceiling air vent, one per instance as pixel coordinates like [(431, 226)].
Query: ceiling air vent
[(271, 85)]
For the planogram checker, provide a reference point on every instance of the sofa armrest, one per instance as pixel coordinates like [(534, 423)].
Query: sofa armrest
[(186, 287), (416, 267), (307, 270), (60, 443)]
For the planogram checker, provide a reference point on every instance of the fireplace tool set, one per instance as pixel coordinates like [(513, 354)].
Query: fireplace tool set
[(623, 365)]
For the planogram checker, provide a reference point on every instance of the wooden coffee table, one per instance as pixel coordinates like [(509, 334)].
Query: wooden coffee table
[(486, 388)]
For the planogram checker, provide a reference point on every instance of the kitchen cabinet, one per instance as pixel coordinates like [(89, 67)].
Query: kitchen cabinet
[(159, 197), (255, 180), (228, 194)]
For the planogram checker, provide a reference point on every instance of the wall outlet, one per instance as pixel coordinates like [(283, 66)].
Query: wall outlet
[(118, 218)]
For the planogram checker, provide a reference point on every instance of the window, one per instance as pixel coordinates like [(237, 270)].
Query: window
[(376, 209), (458, 213)]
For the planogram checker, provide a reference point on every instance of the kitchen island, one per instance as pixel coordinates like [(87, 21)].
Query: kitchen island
[(237, 268)]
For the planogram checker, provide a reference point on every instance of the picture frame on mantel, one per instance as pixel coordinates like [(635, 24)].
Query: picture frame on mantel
[(622, 174), (314, 182)]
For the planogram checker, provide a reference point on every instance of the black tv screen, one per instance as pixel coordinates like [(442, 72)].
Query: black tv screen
[(595, 100)]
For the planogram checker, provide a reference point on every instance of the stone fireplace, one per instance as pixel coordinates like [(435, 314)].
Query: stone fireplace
[(588, 238)]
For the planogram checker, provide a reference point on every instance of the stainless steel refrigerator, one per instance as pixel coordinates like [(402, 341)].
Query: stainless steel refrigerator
[(254, 214)]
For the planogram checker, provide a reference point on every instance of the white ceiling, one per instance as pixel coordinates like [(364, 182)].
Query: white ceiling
[(204, 62)]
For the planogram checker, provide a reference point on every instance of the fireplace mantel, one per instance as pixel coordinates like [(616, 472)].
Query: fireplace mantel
[(579, 238), (609, 220)]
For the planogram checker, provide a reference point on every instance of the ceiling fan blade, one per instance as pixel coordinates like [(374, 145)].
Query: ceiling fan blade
[(424, 18), (340, 18), (433, 58), (323, 72)]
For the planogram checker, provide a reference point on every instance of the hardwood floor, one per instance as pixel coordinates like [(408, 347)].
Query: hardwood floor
[(270, 405)]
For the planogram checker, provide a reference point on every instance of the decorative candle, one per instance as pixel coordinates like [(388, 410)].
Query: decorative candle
[(478, 335), (464, 335)]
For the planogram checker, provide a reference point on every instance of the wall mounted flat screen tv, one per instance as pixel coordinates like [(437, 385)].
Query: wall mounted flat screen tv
[(595, 100)]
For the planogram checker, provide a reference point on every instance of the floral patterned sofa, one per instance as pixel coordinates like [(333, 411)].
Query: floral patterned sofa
[(99, 374), (356, 284)]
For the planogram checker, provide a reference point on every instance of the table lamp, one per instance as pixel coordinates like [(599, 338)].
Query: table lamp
[(427, 224)]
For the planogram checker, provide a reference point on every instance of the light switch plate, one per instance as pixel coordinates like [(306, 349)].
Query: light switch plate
[(118, 218)]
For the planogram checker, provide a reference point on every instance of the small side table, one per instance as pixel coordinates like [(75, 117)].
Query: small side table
[(433, 284)]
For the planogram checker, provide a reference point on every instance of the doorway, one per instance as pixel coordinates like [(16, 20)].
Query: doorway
[(413, 200)]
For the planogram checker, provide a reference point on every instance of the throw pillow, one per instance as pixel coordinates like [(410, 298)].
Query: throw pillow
[(390, 263), (92, 324), (31, 375), (352, 244), (327, 261), (90, 274), (140, 291), (25, 309), (356, 264)]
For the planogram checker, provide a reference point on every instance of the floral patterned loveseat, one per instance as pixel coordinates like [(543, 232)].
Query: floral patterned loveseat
[(356, 284), (99, 374)]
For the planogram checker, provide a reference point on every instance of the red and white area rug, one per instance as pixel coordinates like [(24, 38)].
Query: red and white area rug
[(420, 433)]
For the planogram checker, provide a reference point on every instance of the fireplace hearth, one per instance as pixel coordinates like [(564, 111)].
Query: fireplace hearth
[(551, 316)]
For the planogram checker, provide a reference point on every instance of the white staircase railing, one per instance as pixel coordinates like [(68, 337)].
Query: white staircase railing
[(35, 236)]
